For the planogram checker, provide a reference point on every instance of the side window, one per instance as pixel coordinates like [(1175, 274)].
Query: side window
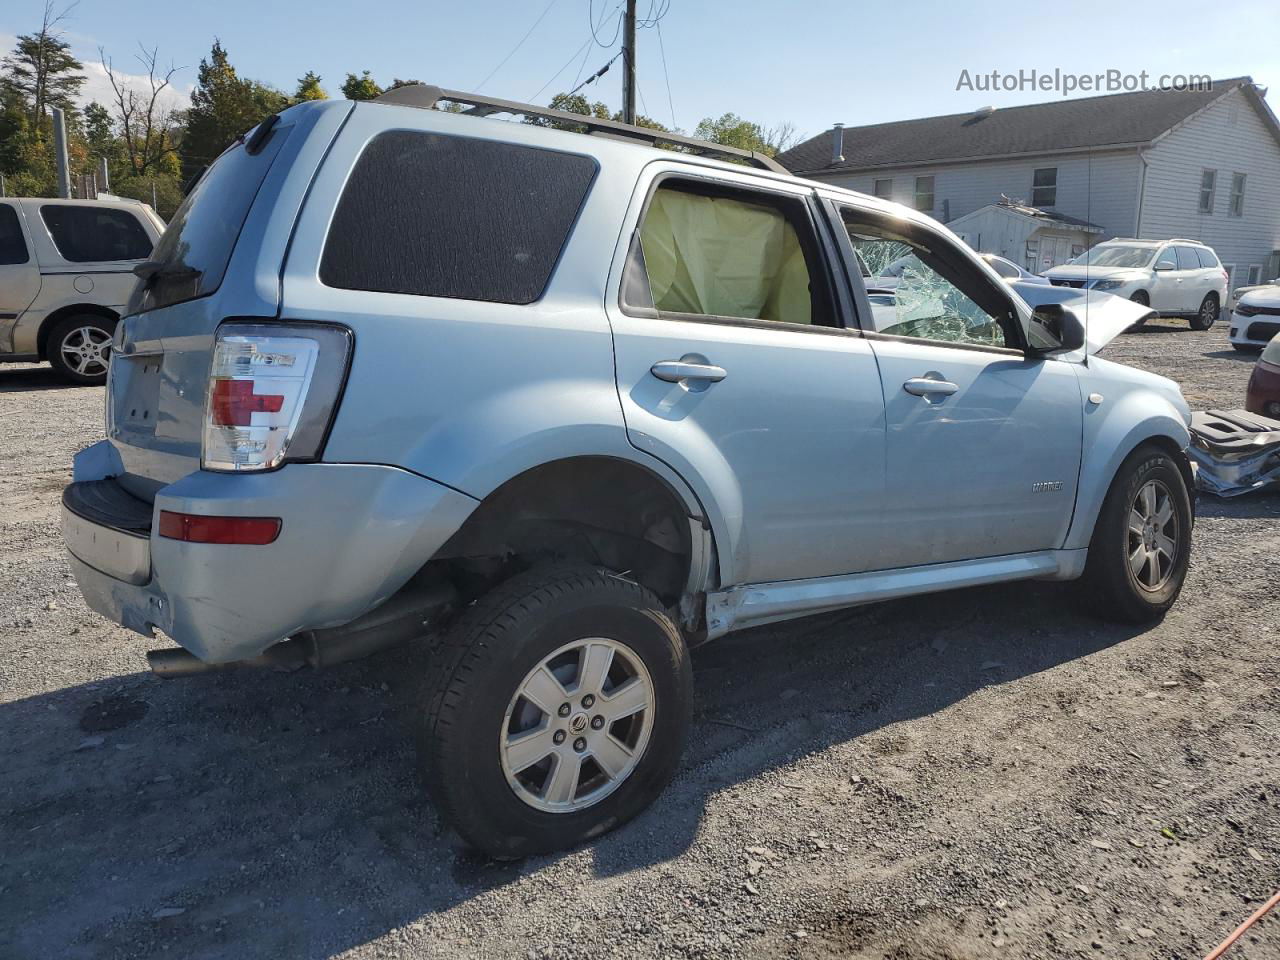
[(709, 251), (1187, 259), (1166, 259), (458, 217), (85, 234), (940, 294), (13, 246), (1207, 258), (1004, 268)]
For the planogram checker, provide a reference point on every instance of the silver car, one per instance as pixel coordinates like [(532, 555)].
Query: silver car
[(573, 405), (66, 272)]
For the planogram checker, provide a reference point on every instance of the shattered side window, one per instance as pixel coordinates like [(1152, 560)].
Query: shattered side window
[(927, 300)]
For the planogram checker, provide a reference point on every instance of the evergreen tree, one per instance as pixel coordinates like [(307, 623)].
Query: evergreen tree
[(362, 87), (224, 106), (309, 89)]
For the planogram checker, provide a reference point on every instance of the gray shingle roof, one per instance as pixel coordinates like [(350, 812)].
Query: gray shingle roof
[(1125, 118)]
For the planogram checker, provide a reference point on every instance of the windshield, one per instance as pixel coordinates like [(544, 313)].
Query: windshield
[(193, 253), (1115, 255)]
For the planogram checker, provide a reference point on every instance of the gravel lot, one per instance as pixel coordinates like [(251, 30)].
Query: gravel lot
[(983, 773)]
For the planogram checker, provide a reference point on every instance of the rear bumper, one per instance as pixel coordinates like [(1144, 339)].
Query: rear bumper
[(351, 535)]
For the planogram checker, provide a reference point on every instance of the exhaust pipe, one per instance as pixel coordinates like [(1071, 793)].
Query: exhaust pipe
[(403, 617)]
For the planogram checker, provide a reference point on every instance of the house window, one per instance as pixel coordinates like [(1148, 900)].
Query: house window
[(924, 194), (1236, 207), (1044, 187), (884, 188), (1033, 255), (1208, 181), (1255, 274)]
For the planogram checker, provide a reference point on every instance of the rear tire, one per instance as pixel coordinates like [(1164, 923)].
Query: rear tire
[(1207, 315), (79, 349), (518, 680), (1141, 545)]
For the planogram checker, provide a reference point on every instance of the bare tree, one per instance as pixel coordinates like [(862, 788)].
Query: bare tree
[(146, 123), (782, 136)]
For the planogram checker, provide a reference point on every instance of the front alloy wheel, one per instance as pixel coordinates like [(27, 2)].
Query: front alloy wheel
[(1153, 536), (558, 711), (1207, 315)]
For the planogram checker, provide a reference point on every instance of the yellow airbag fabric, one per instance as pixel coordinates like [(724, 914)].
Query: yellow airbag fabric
[(722, 257)]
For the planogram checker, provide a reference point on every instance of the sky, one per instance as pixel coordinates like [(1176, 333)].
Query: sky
[(806, 63)]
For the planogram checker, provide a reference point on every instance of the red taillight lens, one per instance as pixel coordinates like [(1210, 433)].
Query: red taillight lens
[(193, 528), (232, 403)]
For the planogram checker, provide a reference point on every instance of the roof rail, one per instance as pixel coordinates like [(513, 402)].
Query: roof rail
[(426, 96)]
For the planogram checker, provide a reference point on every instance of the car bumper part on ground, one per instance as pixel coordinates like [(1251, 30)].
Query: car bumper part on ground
[(351, 535)]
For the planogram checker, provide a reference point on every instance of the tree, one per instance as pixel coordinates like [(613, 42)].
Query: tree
[(577, 103), (309, 89), (41, 70), (733, 131), (224, 106), (144, 120), (362, 87)]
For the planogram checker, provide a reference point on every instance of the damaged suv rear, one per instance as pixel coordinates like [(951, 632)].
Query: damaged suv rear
[(571, 405)]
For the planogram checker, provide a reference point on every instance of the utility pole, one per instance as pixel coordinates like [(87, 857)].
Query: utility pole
[(629, 65), (60, 152), (104, 184)]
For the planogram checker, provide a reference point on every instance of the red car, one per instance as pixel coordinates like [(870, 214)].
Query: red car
[(1263, 393)]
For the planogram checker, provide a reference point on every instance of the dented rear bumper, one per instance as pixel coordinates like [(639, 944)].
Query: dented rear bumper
[(351, 536)]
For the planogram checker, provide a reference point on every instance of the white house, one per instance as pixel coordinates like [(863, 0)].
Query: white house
[(1202, 164)]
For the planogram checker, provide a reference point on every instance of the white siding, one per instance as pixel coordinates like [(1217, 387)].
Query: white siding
[(1100, 187), (1211, 140)]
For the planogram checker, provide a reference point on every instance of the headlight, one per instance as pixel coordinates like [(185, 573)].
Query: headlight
[(1109, 284)]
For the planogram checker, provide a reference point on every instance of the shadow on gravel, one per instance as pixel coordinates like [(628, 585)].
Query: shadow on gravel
[(1243, 356), (24, 379), (268, 815)]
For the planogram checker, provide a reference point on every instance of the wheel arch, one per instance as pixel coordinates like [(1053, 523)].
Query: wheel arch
[(71, 310), (598, 509)]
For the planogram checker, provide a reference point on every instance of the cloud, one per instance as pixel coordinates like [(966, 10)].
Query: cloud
[(98, 87)]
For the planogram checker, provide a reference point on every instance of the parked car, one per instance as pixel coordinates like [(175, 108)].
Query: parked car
[(1176, 278), (1256, 318), (66, 272), (1238, 292), (580, 404), (1010, 271), (1263, 393)]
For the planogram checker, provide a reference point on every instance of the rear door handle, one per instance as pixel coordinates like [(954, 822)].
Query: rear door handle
[(673, 371), (928, 387)]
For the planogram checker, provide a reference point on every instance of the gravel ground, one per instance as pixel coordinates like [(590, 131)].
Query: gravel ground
[(983, 773)]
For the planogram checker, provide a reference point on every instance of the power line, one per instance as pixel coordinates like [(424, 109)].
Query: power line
[(528, 33), (585, 46), (595, 27), (597, 75), (665, 76)]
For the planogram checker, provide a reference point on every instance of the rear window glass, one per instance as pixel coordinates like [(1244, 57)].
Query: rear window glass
[(1207, 258), (443, 216), (193, 252), (85, 234), (13, 246), (1187, 259)]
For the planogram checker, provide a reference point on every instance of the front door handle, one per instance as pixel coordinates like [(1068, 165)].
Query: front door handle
[(929, 387), (673, 371)]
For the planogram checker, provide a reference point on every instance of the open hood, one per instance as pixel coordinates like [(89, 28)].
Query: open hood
[(1105, 316)]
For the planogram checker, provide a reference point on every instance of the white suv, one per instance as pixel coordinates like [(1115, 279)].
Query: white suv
[(1178, 278), (66, 272)]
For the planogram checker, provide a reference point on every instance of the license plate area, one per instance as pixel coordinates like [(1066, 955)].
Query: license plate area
[(136, 391)]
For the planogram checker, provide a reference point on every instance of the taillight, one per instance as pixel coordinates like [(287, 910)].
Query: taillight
[(273, 390), (196, 528)]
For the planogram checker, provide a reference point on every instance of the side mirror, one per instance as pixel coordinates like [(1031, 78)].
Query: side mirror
[(1164, 265), (1055, 329)]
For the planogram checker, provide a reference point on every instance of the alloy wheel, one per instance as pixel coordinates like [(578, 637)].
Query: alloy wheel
[(577, 726), (1153, 536), (86, 350)]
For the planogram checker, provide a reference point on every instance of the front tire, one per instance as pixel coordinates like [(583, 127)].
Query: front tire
[(1141, 544), (79, 349), (1207, 315), (1140, 297), (559, 712)]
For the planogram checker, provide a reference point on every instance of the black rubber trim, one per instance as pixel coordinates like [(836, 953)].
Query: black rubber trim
[(107, 504)]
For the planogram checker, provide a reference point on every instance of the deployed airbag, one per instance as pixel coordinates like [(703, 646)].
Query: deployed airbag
[(718, 256)]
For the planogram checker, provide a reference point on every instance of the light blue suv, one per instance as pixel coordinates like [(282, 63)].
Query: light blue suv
[(574, 405)]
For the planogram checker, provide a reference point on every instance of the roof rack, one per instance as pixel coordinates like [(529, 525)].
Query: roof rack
[(426, 96)]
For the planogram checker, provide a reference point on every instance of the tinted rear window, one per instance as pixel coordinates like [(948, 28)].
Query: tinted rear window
[(1207, 258), (85, 234), (456, 217), (193, 252), (13, 246), (1187, 259)]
